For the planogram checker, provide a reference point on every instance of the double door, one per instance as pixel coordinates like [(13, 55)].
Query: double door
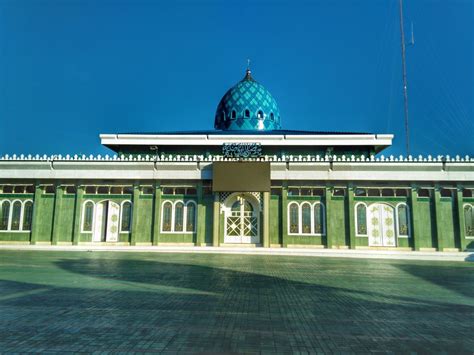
[(241, 223), (106, 222), (381, 225)]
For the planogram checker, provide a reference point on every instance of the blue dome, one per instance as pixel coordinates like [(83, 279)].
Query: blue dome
[(247, 106)]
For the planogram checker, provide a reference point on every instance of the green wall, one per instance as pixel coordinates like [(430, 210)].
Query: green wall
[(435, 221)]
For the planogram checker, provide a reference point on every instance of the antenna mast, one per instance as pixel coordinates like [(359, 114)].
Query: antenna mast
[(405, 89)]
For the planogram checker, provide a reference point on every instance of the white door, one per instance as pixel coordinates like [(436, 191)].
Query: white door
[(241, 223), (388, 226), (381, 226), (100, 222), (112, 222)]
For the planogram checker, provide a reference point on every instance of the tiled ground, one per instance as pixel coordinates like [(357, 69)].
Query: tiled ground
[(122, 302)]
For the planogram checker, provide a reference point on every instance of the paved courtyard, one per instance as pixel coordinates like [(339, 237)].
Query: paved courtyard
[(213, 303)]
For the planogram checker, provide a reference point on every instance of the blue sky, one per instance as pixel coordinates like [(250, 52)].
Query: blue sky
[(70, 70)]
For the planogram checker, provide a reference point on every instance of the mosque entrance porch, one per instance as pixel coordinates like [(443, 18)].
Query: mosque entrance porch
[(242, 219)]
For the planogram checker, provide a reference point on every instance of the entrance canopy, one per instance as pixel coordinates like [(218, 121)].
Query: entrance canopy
[(241, 176)]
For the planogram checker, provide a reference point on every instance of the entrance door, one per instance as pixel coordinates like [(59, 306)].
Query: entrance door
[(106, 222), (381, 226), (100, 222), (112, 222), (241, 222)]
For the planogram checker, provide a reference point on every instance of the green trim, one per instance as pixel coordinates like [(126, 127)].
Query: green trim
[(266, 220), (108, 196), (446, 199), (57, 214), (350, 213), (77, 215), (200, 216), (36, 214), (306, 198), (381, 198), (156, 222), (215, 220), (17, 196), (135, 215)]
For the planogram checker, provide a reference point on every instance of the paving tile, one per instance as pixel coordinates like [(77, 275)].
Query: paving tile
[(112, 302)]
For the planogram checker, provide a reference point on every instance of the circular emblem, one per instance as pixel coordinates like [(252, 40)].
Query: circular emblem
[(113, 229), (114, 218)]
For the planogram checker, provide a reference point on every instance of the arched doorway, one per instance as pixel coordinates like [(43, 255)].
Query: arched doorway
[(106, 222), (242, 219), (381, 226)]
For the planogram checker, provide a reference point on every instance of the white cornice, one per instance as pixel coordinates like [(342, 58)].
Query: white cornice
[(379, 140), (462, 172)]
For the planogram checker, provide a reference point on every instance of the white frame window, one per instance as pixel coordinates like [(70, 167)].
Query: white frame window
[(173, 215), (83, 214), (121, 216), (300, 206), (21, 228), (356, 215), (398, 220), (465, 222)]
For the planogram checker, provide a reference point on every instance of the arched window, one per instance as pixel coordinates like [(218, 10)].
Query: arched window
[(248, 209), (361, 219), (247, 113), (260, 115), (4, 215), (294, 217), (318, 219), (403, 218), (190, 216), (88, 216), (306, 218), (126, 217), (178, 217), (233, 114), (27, 215), (272, 116), (469, 220), (235, 209), (16, 215), (167, 213)]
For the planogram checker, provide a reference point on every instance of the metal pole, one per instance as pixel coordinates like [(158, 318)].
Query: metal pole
[(405, 89)]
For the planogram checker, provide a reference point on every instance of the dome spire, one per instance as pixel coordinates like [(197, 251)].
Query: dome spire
[(248, 73)]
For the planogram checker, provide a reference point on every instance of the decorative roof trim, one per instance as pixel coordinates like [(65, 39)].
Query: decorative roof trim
[(210, 158), (380, 140)]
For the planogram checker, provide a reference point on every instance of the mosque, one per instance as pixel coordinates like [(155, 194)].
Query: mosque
[(247, 183)]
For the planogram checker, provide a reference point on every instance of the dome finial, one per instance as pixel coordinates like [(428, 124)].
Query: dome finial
[(248, 73)]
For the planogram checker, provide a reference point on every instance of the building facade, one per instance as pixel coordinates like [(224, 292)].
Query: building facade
[(248, 182)]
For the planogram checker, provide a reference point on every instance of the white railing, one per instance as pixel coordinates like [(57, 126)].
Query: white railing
[(211, 158)]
